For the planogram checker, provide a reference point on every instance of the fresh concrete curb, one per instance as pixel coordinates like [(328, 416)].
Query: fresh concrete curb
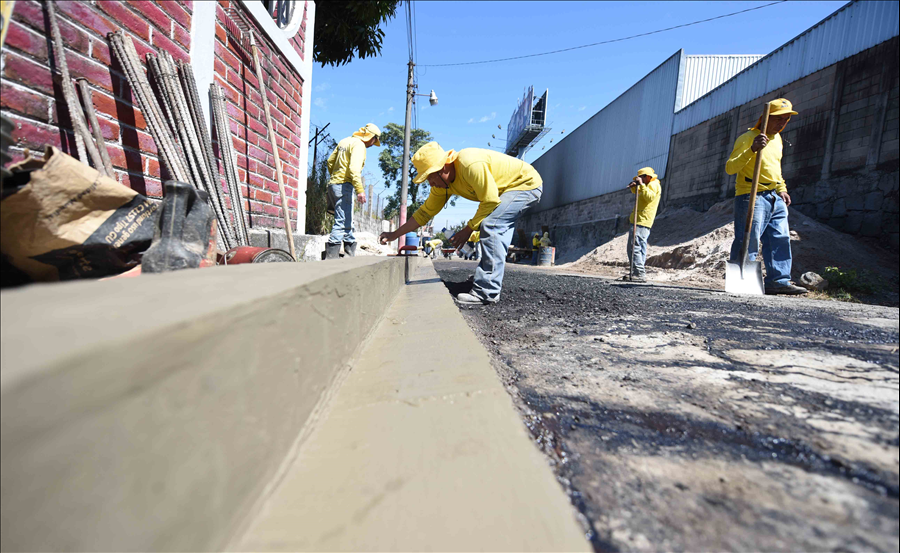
[(151, 413), (420, 449)]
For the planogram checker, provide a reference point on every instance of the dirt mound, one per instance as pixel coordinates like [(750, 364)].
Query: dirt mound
[(691, 247)]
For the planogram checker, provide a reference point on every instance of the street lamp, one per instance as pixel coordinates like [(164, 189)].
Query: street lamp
[(404, 183)]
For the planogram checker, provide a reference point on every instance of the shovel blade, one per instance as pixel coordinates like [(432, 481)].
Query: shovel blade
[(744, 280)]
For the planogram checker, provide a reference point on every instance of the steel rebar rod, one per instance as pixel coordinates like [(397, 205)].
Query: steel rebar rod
[(192, 147), (229, 159), (168, 154), (83, 138), (88, 101)]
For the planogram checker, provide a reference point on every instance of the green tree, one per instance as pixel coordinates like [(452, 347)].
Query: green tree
[(391, 163), (345, 29)]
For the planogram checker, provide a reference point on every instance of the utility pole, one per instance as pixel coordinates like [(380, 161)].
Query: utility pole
[(315, 143), (404, 186), (371, 187)]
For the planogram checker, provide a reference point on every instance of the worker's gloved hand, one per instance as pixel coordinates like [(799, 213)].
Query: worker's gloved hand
[(461, 237)]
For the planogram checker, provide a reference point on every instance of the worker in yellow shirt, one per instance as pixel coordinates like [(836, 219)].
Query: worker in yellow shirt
[(504, 188), (535, 247), (473, 242), (432, 246), (646, 186), (770, 213), (345, 164)]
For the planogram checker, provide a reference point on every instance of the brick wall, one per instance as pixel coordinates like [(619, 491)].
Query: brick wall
[(234, 71), (840, 153), (33, 99)]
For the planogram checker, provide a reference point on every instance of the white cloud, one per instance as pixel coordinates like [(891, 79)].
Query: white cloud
[(319, 102), (582, 108), (322, 87), (471, 120), (390, 109), (493, 115)]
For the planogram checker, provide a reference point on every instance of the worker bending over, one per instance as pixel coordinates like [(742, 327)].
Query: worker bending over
[(345, 164), (432, 246), (770, 213), (646, 186), (474, 242), (503, 186)]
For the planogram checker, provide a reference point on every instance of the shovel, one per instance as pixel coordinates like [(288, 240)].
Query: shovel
[(742, 276), (634, 234)]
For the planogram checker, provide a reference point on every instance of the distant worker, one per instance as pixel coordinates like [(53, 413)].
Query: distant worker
[(504, 187), (646, 186), (432, 246), (535, 247), (474, 242), (770, 213), (545, 241), (345, 164)]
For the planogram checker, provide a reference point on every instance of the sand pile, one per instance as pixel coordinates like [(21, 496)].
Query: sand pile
[(687, 245)]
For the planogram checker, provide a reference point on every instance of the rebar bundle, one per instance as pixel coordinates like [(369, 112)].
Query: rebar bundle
[(229, 159)]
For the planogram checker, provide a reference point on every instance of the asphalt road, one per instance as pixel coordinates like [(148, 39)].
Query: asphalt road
[(688, 419)]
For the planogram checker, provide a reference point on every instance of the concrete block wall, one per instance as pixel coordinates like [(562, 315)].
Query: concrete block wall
[(32, 98), (840, 153)]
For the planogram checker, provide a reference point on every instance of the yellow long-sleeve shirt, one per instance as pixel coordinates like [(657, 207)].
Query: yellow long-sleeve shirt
[(648, 203), (474, 237), (481, 176), (742, 160), (346, 163)]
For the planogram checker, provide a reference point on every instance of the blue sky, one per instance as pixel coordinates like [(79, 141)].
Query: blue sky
[(474, 99)]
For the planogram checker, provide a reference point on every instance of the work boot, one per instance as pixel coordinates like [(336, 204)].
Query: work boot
[(786, 289), (332, 251), (350, 249), (470, 299)]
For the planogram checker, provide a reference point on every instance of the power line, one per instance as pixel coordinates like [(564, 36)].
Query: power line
[(608, 41)]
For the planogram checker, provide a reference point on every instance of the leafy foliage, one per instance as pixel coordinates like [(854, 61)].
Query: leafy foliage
[(317, 221), (847, 280), (345, 29), (391, 163)]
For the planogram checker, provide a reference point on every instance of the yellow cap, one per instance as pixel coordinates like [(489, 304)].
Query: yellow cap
[(781, 106), (367, 132), (647, 171), (429, 159)]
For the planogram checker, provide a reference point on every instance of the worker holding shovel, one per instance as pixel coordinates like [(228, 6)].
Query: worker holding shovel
[(752, 149), (345, 165), (647, 191), (503, 186)]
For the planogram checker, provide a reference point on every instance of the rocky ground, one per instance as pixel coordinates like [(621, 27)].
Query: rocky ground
[(686, 419)]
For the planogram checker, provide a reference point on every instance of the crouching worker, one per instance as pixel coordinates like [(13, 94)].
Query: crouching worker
[(770, 213), (345, 164), (503, 186), (646, 186)]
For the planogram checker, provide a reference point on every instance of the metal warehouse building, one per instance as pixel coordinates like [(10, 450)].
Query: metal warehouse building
[(683, 117)]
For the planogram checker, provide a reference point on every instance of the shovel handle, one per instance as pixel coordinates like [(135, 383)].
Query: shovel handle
[(754, 186)]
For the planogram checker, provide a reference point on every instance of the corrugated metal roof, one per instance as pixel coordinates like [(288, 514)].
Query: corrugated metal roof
[(704, 73), (605, 152), (850, 30)]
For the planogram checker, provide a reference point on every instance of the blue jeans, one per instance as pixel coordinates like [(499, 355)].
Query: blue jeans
[(770, 226), (640, 257), (342, 231), (496, 235)]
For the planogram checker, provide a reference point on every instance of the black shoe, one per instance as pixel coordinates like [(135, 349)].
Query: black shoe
[(350, 249), (786, 290), (332, 251)]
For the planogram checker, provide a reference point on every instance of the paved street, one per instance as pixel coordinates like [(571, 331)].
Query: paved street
[(686, 419)]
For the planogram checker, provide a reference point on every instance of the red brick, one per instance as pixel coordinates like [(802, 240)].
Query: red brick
[(94, 72), (221, 34), (28, 73), (126, 17), (125, 159), (152, 167), (139, 141), (142, 184), (236, 113), (182, 36), (110, 129), (162, 42), (292, 203), (29, 13), (255, 152), (230, 59), (35, 136), (29, 42), (119, 110), (24, 102), (87, 16), (150, 11), (262, 196), (242, 161), (176, 12)]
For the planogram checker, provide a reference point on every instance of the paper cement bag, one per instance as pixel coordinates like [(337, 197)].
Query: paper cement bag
[(68, 222)]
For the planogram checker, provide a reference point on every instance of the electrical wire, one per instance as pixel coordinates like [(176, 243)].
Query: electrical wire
[(607, 41)]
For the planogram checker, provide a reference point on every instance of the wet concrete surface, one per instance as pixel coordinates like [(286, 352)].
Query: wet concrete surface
[(687, 419)]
